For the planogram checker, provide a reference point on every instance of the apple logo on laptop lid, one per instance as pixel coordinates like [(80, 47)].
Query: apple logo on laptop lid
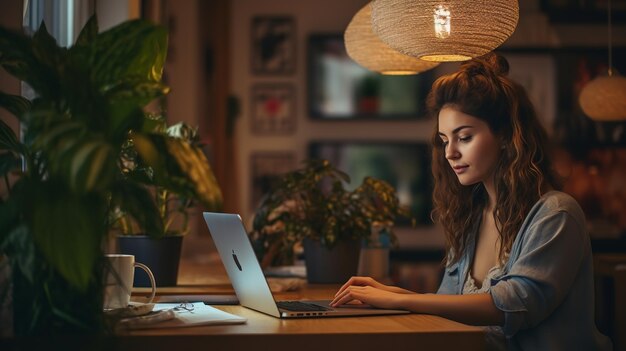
[(237, 261)]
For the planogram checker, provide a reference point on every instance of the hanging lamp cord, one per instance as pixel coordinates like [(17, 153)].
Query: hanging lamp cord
[(610, 42)]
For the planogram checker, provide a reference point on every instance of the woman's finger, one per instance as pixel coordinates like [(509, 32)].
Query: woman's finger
[(347, 295), (357, 281), (345, 286), (339, 296)]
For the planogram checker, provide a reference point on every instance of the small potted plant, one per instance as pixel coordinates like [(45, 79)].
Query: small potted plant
[(190, 182), (311, 206)]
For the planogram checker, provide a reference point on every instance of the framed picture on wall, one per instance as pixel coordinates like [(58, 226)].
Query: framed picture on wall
[(404, 165), (273, 45), (339, 89), (265, 168), (273, 109)]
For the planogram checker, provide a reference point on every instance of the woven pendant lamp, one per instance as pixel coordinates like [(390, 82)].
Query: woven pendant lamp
[(364, 47), (444, 30), (604, 98)]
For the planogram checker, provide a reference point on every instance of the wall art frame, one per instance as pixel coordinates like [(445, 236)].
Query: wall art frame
[(339, 89), (273, 45), (273, 109)]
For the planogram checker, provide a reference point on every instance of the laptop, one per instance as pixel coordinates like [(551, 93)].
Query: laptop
[(246, 276)]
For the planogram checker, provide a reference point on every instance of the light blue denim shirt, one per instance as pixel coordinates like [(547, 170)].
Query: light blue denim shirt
[(546, 288)]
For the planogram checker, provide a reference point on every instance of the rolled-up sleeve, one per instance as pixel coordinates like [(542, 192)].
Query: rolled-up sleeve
[(450, 281), (551, 253)]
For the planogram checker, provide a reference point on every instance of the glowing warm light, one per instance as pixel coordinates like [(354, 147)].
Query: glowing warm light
[(604, 98), (442, 21), (423, 28)]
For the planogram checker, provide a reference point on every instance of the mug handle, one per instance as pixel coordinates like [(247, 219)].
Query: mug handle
[(152, 281)]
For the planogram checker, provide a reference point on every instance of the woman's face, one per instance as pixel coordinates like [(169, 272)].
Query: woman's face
[(471, 148)]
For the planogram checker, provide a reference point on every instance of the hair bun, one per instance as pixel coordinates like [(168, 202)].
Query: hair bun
[(488, 64)]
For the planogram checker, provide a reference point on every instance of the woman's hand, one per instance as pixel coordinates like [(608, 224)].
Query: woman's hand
[(360, 281), (365, 290), (367, 281), (367, 295)]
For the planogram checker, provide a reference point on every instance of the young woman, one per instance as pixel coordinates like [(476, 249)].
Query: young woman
[(519, 258)]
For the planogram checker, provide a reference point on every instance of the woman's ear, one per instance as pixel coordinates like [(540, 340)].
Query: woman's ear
[(502, 142)]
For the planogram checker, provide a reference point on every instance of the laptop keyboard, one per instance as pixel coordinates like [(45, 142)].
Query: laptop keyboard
[(301, 306)]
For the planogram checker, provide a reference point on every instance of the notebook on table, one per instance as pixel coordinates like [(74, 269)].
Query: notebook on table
[(251, 287)]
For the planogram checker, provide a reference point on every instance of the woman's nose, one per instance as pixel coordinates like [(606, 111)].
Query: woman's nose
[(452, 152)]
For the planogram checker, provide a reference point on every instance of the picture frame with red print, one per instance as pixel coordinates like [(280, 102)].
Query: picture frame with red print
[(273, 109)]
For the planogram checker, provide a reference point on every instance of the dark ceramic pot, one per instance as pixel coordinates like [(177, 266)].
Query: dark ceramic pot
[(337, 265), (162, 256)]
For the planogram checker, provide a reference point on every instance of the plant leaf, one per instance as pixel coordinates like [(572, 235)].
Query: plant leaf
[(101, 168), (56, 134), (91, 166), (89, 32), (132, 49), (124, 101), (49, 59), (147, 149), (180, 167), (8, 139), (124, 116), (33, 60), (44, 44), (153, 124), (15, 104), (16, 240), (18, 245), (16, 54), (84, 162), (68, 229), (137, 92), (137, 201), (195, 166), (9, 162), (9, 217)]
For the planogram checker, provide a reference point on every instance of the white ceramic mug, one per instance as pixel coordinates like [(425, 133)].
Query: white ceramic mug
[(119, 280)]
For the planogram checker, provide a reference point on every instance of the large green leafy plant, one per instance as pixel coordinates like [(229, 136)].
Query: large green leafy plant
[(313, 203), (69, 165), (173, 203)]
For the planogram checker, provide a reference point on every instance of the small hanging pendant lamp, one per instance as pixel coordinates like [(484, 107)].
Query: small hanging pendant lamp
[(604, 98), (444, 30), (364, 47)]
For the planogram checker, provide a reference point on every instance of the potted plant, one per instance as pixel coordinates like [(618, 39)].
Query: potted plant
[(311, 206), (160, 247), (64, 176)]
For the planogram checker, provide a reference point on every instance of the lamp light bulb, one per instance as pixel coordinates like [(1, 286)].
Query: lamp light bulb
[(442, 21)]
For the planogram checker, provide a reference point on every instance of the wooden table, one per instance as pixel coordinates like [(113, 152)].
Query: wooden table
[(610, 274), (263, 332)]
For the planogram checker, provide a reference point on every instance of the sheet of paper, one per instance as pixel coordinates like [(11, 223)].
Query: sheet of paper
[(194, 314)]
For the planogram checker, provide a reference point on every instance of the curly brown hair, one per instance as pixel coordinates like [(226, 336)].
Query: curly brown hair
[(523, 172)]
